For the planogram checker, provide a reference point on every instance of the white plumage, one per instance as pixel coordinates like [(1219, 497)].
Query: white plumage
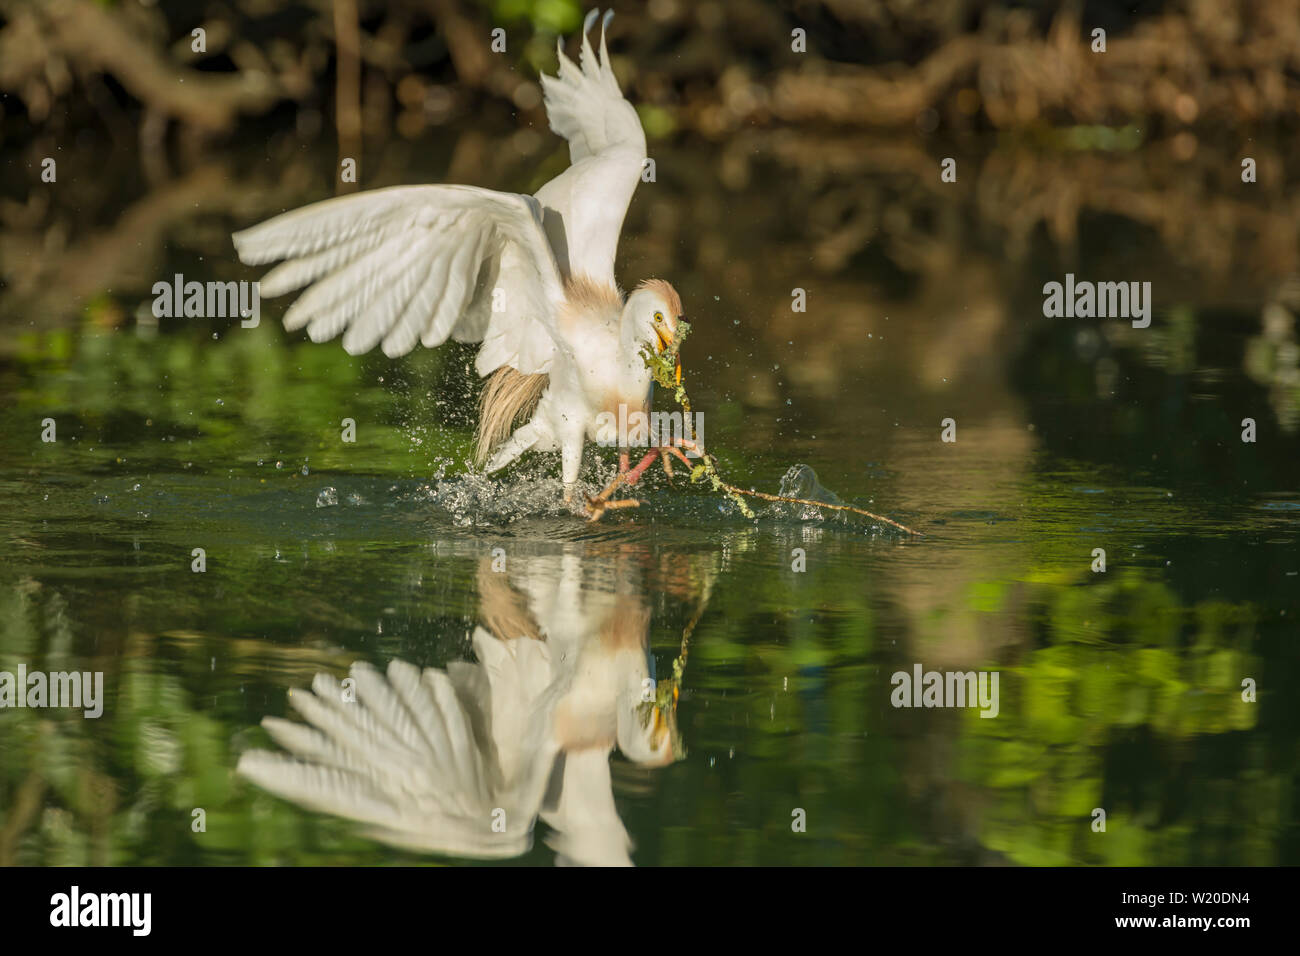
[(531, 278), (464, 761)]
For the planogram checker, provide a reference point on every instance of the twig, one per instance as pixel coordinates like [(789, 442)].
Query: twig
[(679, 665), (667, 690), (663, 367), (821, 504)]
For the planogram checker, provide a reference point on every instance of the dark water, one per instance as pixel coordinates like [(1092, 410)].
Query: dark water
[(1119, 690)]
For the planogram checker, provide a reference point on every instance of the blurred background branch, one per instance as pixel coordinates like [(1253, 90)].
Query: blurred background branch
[(830, 157), (713, 66)]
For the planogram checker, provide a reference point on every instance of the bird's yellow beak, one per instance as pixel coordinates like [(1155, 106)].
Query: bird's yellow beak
[(663, 341), (659, 719)]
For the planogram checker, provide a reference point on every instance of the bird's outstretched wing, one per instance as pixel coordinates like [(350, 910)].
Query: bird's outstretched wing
[(585, 205), (412, 264), (414, 757)]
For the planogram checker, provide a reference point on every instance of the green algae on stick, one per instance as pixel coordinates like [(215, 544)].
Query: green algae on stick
[(665, 368), (666, 371)]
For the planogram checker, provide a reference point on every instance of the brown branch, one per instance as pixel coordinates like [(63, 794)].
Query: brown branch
[(90, 35), (347, 95), (820, 504)]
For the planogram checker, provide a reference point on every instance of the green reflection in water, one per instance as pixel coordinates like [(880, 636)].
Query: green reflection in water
[(1119, 690)]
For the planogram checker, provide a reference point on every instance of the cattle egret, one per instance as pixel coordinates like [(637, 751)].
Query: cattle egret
[(530, 277), (465, 760)]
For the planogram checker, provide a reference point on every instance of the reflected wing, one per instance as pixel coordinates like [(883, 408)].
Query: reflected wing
[(414, 264), (403, 759), (585, 204)]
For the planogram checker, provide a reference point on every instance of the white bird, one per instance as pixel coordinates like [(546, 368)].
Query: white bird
[(465, 761), (532, 278)]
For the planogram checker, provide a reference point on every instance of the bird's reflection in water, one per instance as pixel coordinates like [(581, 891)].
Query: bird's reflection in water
[(464, 761)]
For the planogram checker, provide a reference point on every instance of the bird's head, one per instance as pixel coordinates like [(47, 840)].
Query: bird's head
[(654, 310), (648, 735)]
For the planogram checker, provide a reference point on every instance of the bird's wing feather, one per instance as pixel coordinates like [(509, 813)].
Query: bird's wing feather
[(413, 264), (403, 758), (585, 205)]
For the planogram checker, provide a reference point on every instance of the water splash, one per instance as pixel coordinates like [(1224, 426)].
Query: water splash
[(800, 481), (476, 498)]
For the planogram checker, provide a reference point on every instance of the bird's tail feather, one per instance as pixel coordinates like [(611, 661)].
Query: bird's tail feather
[(508, 396)]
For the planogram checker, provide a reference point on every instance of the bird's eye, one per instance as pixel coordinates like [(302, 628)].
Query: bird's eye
[(659, 316)]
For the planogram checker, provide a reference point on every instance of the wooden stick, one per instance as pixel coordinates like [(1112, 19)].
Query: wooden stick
[(821, 504), (659, 365)]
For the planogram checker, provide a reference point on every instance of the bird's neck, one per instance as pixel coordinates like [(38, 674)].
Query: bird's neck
[(636, 376), (631, 348)]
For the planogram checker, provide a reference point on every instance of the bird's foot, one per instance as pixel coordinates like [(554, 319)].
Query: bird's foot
[(674, 452), (692, 446), (597, 506)]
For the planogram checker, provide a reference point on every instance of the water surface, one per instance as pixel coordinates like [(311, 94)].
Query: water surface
[(1119, 690)]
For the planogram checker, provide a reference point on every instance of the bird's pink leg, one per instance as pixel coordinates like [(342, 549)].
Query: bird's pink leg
[(687, 443), (633, 476), (677, 452), (596, 506), (630, 476), (667, 453)]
